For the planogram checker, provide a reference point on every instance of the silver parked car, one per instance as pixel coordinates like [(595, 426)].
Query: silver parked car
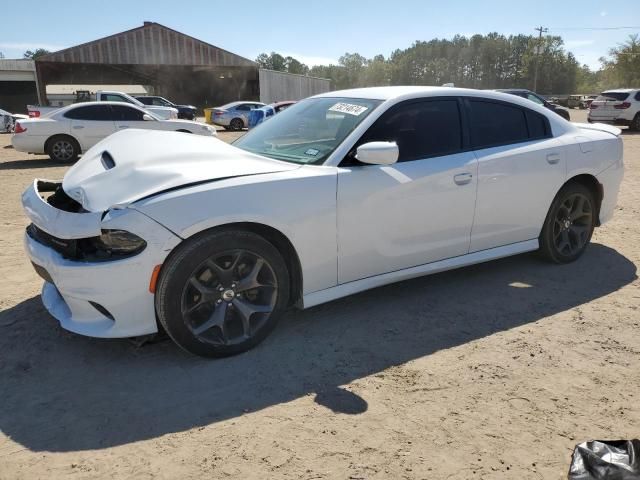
[(234, 115)]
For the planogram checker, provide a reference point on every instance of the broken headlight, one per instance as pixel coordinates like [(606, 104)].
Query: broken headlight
[(118, 242)]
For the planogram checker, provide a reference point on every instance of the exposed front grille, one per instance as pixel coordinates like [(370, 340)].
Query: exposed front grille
[(67, 248)]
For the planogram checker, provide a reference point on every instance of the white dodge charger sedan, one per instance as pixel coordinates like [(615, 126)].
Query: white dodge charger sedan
[(340, 193), (66, 133)]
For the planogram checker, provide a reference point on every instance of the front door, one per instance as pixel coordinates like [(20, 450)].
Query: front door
[(90, 124), (416, 211)]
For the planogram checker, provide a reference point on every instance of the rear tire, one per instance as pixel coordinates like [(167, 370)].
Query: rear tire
[(635, 123), (63, 149), (236, 124), (569, 224), (221, 293)]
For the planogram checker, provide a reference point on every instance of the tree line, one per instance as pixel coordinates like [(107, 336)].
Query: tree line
[(479, 61)]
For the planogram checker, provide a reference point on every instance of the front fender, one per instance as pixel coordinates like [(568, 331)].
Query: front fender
[(301, 204)]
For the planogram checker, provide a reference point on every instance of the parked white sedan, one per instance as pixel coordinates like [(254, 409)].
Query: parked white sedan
[(341, 192), (70, 131)]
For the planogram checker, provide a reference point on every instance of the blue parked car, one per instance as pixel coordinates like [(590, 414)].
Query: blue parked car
[(259, 115)]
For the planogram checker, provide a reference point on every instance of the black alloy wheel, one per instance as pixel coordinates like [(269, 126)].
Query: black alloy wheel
[(569, 224), (221, 293)]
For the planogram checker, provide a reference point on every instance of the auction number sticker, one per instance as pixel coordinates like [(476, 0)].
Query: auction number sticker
[(349, 108)]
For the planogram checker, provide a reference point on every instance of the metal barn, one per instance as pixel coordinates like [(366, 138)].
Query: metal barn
[(172, 64)]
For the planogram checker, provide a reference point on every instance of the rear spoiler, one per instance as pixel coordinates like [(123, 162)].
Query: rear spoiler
[(600, 127)]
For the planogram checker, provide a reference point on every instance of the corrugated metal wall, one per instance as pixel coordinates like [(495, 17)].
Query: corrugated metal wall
[(280, 86)]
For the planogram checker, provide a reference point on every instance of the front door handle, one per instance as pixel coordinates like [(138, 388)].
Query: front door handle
[(123, 126), (462, 178), (78, 127), (553, 158)]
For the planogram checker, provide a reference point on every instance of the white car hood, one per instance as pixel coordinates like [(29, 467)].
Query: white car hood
[(147, 162)]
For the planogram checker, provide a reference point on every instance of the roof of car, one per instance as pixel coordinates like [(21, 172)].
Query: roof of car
[(408, 92), (620, 90)]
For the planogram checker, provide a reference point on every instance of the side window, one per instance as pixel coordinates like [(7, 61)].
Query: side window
[(637, 97), (538, 125), (420, 129), (534, 98), (493, 124), (123, 113), (145, 100), (89, 112), (110, 97), (158, 102), (243, 108)]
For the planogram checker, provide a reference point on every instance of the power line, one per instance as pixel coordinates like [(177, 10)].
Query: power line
[(594, 28)]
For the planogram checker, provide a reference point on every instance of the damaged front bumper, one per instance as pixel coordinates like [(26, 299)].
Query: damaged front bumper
[(98, 297)]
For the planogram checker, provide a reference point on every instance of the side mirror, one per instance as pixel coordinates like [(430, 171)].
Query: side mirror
[(378, 153), (148, 118)]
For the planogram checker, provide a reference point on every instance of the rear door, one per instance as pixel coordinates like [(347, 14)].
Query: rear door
[(90, 124), (521, 167)]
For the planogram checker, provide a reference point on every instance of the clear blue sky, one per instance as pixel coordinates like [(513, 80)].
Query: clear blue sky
[(318, 31)]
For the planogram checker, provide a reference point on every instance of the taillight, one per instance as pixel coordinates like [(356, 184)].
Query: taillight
[(218, 112), (19, 128), (34, 113), (622, 106)]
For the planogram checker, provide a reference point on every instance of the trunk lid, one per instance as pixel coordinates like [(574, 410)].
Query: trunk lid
[(133, 164)]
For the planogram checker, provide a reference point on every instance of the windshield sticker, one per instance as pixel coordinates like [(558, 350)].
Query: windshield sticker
[(349, 108), (312, 151)]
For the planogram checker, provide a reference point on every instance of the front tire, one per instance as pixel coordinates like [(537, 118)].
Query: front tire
[(63, 149), (221, 293), (569, 224)]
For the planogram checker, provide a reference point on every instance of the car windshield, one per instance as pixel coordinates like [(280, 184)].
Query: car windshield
[(309, 131)]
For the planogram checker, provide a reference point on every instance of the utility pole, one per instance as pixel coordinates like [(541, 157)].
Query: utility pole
[(540, 31)]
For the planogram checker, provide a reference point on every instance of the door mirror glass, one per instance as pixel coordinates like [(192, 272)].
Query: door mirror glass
[(378, 153), (147, 118)]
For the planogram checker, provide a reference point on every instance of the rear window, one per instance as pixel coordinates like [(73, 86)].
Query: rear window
[(495, 124), (619, 96)]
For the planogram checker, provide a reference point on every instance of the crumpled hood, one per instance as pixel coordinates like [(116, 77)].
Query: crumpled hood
[(139, 163)]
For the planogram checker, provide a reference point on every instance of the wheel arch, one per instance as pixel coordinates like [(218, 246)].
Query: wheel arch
[(278, 240), (592, 183), (56, 135)]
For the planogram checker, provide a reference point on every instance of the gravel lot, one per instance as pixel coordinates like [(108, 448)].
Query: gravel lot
[(493, 371)]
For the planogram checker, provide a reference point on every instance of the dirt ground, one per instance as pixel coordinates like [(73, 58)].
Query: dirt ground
[(493, 371)]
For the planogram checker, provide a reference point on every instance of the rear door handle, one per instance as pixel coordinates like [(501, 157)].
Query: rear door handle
[(123, 126), (553, 158), (78, 127), (462, 178)]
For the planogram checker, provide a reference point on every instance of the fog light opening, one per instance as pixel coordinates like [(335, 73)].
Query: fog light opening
[(102, 310)]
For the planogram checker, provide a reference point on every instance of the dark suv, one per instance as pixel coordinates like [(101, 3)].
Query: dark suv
[(534, 97), (188, 112)]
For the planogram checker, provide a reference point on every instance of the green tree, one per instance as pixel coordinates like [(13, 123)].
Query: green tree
[(622, 69), (293, 65), (274, 61), (38, 52)]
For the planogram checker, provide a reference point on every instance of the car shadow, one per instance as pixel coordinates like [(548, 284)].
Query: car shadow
[(30, 163), (74, 393)]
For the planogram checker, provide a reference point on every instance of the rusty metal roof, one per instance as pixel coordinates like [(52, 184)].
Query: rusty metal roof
[(150, 44)]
